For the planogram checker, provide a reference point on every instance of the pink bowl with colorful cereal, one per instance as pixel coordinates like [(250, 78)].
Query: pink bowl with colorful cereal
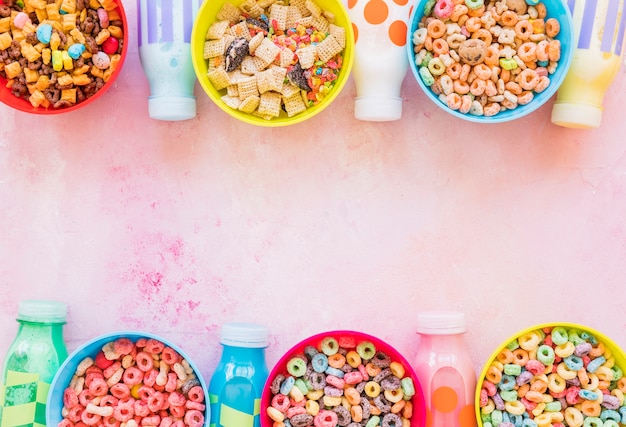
[(553, 375), (342, 378), (135, 378), (58, 57)]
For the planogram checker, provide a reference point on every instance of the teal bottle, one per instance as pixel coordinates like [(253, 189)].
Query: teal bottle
[(32, 360), (237, 383)]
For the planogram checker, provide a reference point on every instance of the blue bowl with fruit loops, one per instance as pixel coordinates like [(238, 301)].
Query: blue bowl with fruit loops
[(123, 376), (490, 61)]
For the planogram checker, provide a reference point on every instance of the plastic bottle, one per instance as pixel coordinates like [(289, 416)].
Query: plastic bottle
[(32, 360), (600, 40), (380, 59), (164, 36), (237, 383), (444, 369)]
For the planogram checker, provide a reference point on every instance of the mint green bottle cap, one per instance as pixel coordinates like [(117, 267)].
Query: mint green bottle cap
[(42, 311)]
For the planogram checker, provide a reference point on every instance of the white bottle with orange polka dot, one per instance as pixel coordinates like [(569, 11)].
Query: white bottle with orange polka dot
[(445, 370), (380, 59)]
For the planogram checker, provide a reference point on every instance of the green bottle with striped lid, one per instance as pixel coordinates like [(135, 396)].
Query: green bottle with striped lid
[(32, 360)]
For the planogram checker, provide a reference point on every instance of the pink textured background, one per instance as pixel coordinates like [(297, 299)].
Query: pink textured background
[(177, 227)]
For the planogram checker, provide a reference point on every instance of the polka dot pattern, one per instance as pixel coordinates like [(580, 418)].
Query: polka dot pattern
[(377, 12)]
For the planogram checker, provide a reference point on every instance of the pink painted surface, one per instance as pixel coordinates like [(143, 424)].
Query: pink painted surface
[(177, 227)]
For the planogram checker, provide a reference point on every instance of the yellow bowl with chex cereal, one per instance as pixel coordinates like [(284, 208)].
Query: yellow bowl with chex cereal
[(270, 63)]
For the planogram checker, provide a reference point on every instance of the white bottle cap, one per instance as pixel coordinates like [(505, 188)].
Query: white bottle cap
[(42, 311), (578, 116), (248, 335), (172, 108), (441, 322), (378, 109)]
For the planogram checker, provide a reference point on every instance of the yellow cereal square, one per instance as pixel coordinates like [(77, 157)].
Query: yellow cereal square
[(232, 90), (97, 72), (5, 40), (46, 55), (69, 22), (288, 90), (306, 56), (52, 10), (29, 52), (266, 3), (330, 17), (37, 4), (278, 13), (42, 15), (231, 101), (255, 42), (286, 57), (219, 78), (13, 70), (249, 104), (5, 24), (247, 86), (229, 12), (213, 48), (116, 31), (270, 104), (301, 5), (267, 51), (240, 30), (37, 98), (65, 80), (338, 33), (108, 5), (43, 83), (17, 34), (69, 95), (252, 65), (321, 24), (217, 30), (102, 36), (31, 75), (252, 8), (328, 48), (294, 104), (265, 81), (81, 79), (68, 6), (313, 7)]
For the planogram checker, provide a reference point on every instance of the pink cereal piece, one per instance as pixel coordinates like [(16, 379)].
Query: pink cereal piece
[(70, 398), (74, 414), (122, 346), (123, 413), (535, 367), (172, 382), (280, 402), (198, 406), (144, 392), (154, 346), (194, 418), (196, 394), (141, 342), (156, 401), (98, 387), (152, 420), (484, 399), (363, 372), (144, 361), (295, 411), (170, 356), (352, 377), (103, 18), (166, 421), (89, 377), (89, 418), (443, 8), (571, 396), (325, 418), (132, 376), (178, 423), (490, 387), (85, 397), (346, 342), (20, 20), (528, 404), (120, 391), (335, 381), (141, 408), (109, 400), (150, 377), (65, 422), (177, 411), (110, 422), (112, 369), (176, 399)]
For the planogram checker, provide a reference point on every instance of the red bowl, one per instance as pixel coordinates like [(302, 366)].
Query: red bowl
[(347, 340), (24, 105)]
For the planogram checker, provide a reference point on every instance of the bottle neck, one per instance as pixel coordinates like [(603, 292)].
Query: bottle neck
[(443, 342), (234, 352)]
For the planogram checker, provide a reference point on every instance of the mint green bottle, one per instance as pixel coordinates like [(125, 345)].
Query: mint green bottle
[(31, 363)]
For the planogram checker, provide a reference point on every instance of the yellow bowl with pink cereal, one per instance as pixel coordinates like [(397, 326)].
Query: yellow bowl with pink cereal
[(553, 374), (271, 63), (490, 61), (131, 379), (57, 57)]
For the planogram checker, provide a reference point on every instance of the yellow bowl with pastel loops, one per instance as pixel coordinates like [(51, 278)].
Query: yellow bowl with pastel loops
[(207, 16), (559, 392)]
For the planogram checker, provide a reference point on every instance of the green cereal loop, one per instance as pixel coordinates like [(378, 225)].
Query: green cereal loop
[(487, 420), (610, 414), (588, 337), (474, 4), (329, 346), (513, 345), (508, 395), (559, 335), (617, 373), (545, 354), (512, 369), (373, 422), (428, 7), (302, 386), (427, 78), (428, 56), (592, 422), (610, 423), (366, 350), (296, 367), (554, 406), (496, 417), (574, 337), (408, 389)]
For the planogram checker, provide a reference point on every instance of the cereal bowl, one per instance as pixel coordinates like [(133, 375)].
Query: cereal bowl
[(284, 64), (490, 69), (66, 77), (126, 374), (553, 373), (328, 367)]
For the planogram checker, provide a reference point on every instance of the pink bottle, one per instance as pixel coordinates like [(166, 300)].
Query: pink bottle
[(445, 370)]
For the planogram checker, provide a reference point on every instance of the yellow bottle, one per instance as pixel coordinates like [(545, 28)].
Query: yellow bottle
[(599, 27)]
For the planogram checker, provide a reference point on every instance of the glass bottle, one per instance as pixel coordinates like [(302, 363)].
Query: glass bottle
[(32, 360), (237, 383), (445, 370)]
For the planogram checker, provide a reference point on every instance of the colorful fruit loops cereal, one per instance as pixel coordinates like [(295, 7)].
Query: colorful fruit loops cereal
[(481, 57), (131, 384), (554, 377), (271, 56), (342, 383), (58, 53)]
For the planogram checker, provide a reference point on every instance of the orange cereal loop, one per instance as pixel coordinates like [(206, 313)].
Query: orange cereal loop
[(473, 24), (477, 87), (336, 360), (525, 97), (520, 356), (477, 12), (453, 100), (514, 88), (597, 350), (454, 70), (465, 71), (541, 10), (509, 18), (552, 27), (524, 388), (436, 28), (590, 408), (482, 71), (492, 57), (621, 384), (440, 46), (372, 370), (484, 35), (458, 11), (527, 51), (461, 87), (554, 50), (523, 29)]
